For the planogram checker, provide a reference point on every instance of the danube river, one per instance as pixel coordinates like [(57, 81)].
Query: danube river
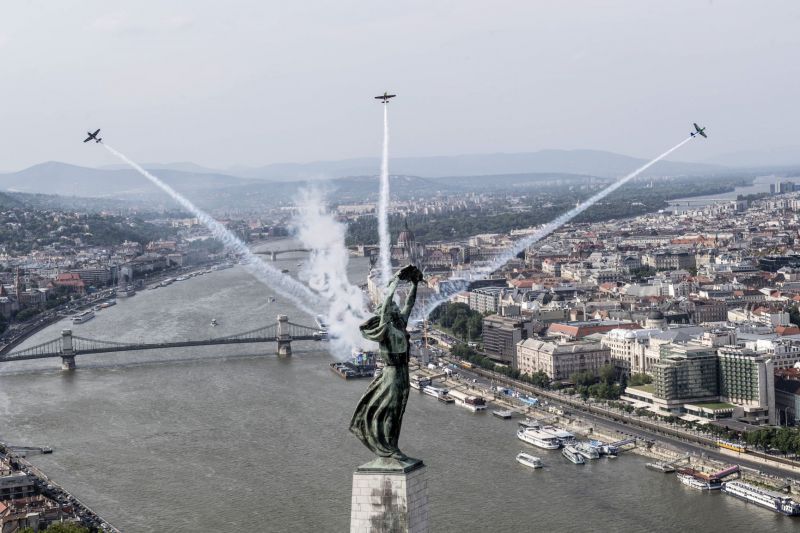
[(233, 439)]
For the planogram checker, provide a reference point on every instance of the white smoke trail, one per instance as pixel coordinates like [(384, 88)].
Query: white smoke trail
[(384, 239), (326, 273), (284, 285), (458, 285)]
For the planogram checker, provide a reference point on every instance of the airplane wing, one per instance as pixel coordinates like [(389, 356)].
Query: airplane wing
[(379, 98), (696, 126), (95, 133), (89, 138), (704, 134), (390, 95)]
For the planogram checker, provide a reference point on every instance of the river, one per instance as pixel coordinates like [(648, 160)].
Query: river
[(760, 185), (232, 439)]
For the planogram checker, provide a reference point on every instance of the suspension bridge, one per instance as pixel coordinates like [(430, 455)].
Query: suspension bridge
[(68, 346)]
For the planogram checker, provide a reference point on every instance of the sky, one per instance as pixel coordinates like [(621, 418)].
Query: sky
[(254, 82)]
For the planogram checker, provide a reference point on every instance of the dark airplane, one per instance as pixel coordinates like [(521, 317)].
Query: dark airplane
[(699, 130), (93, 136), (385, 97)]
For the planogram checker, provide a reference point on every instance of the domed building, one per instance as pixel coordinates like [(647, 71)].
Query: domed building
[(406, 250), (655, 320)]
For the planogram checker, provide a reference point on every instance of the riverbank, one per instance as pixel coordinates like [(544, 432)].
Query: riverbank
[(662, 447), (57, 500)]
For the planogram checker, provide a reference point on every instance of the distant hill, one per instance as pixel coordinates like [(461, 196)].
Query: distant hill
[(588, 162), (71, 180)]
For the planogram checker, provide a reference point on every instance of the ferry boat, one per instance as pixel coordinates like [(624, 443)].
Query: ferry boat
[(774, 501), (698, 483), (587, 450), (529, 460), (83, 317), (564, 437), (213, 321), (538, 438), (436, 392), (572, 453), (418, 382)]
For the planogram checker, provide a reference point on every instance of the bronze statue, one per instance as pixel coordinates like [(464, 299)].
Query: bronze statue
[(379, 413)]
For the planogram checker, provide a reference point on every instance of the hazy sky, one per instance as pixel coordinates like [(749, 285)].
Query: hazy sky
[(244, 82)]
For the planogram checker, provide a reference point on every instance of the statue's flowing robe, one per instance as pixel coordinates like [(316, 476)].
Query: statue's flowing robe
[(379, 414)]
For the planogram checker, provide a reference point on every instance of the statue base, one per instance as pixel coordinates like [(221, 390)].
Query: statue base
[(390, 496)]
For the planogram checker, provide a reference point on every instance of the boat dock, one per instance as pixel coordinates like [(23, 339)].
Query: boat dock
[(24, 451)]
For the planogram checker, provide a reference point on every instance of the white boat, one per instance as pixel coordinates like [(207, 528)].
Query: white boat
[(774, 501), (696, 483), (564, 437), (538, 438), (213, 321), (587, 450), (436, 392), (529, 460), (572, 453), (83, 317), (108, 304)]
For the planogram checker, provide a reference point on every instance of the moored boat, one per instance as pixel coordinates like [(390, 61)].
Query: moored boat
[(83, 317), (473, 403), (774, 501), (529, 460), (563, 436), (587, 450), (697, 482), (538, 438), (572, 453)]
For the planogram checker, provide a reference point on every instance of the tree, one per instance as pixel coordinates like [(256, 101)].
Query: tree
[(65, 527), (608, 374), (639, 379)]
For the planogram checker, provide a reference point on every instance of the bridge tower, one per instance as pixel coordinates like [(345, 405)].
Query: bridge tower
[(67, 350), (284, 339)]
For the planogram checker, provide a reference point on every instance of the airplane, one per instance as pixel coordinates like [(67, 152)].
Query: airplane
[(699, 130), (93, 136), (385, 97)]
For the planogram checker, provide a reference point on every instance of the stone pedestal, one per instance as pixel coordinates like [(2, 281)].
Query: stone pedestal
[(390, 496)]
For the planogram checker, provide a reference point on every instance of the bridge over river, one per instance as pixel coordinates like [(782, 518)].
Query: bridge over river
[(68, 346)]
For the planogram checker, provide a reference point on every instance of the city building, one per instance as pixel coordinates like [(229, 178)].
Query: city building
[(486, 300), (787, 396), (746, 379), (578, 330), (560, 360), (501, 335)]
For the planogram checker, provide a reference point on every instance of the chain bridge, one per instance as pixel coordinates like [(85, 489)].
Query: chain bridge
[(67, 346)]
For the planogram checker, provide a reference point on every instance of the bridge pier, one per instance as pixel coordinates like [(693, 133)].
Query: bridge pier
[(283, 337), (67, 350), (273, 256)]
